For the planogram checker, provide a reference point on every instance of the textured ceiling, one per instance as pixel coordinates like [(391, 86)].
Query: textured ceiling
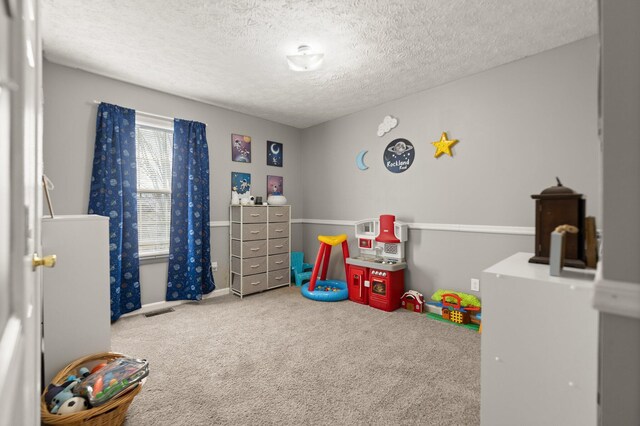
[(232, 53)]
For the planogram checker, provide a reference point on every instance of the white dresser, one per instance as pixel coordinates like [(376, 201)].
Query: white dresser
[(76, 308), (260, 248), (539, 345)]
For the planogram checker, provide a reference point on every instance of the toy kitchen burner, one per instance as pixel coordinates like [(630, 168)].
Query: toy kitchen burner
[(376, 276)]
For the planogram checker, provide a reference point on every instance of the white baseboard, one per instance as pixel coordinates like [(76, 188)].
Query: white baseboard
[(150, 307)]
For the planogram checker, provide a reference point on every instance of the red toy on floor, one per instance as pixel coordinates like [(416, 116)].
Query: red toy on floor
[(413, 301), (376, 276)]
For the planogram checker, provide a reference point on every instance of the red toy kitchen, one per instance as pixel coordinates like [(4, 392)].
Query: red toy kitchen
[(376, 275)]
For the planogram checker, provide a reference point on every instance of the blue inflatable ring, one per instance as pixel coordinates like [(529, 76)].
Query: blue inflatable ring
[(326, 296)]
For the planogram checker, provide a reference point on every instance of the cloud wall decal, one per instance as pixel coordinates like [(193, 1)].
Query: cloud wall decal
[(387, 124)]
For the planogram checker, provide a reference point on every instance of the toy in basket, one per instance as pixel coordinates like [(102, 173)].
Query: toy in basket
[(111, 380), (94, 390)]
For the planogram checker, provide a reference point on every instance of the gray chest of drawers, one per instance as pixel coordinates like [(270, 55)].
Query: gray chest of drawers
[(259, 247)]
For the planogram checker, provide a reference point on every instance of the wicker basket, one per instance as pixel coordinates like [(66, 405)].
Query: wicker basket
[(110, 413)]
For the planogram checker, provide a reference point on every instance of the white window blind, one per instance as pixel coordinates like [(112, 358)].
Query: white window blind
[(154, 147)]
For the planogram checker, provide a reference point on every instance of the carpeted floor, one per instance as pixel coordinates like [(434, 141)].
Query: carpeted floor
[(278, 358)]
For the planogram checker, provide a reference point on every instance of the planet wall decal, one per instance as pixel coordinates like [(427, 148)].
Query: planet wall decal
[(399, 155), (360, 160)]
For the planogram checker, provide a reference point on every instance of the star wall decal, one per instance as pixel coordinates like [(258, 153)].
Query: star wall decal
[(443, 146)]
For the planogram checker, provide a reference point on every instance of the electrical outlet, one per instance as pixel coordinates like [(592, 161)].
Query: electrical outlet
[(214, 266), (475, 284)]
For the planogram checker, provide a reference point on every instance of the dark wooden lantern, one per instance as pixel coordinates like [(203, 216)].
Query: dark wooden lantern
[(559, 205)]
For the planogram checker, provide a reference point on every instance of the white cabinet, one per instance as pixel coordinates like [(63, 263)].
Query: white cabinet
[(75, 293), (539, 345)]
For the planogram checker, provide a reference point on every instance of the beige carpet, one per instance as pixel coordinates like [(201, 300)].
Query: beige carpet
[(278, 358)]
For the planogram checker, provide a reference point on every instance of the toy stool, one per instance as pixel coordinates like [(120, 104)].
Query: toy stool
[(300, 271), (326, 243)]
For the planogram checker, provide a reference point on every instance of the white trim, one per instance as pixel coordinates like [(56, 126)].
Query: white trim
[(225, 223), (616, 297), (150, 307), (219, 224), (154, 257), (153, 254), (10, 349), (329, 222), (149, 115), (153, 191), (426, 226), (481, 229), (154, 120)]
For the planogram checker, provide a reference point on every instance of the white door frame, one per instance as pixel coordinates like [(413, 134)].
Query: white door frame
[(20, 336)]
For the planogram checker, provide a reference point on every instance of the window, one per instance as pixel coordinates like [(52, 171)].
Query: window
[(154, 150)]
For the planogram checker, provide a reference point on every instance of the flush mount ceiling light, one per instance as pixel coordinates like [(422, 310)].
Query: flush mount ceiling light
[(305, 60)]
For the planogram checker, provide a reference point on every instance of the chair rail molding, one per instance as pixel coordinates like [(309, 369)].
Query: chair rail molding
[(616, 297), (482, 229)]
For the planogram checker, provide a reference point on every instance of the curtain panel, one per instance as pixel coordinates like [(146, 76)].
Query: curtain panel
[(190, 275), (113, 194)]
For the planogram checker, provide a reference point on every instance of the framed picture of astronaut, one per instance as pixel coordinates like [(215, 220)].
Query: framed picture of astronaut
[(240, 182), (275, 154), (241, 148)]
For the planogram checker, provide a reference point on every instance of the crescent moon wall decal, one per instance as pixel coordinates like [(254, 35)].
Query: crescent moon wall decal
[(360, 160)]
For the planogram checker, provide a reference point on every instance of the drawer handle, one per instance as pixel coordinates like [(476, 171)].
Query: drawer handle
[(280, 246), (279, 278), (278, 262), (255, 214), (279, 230), (255, 232), (279, 214), (255, 248), (255, 266), (256, 283)]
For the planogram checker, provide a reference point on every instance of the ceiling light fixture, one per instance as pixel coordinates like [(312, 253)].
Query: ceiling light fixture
[(305, 60)]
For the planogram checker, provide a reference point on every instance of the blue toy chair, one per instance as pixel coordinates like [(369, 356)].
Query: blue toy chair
[(300, 271)]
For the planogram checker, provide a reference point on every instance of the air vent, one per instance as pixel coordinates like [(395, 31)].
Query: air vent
[(158, 312)]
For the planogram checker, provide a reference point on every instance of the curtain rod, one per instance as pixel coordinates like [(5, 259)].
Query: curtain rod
[(146, 113)]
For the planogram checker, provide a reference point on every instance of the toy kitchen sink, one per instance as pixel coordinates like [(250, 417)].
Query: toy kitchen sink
[(376, 262), (376, 276)]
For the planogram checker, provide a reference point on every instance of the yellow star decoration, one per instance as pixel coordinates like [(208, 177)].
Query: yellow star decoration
[(443, 146)]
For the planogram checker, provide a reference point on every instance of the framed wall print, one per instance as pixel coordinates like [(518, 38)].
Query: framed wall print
[(240, 182), (241, 148), (275, 154), (275, 185)]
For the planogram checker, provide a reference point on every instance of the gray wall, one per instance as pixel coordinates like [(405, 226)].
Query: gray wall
[(69, 135), (620, 336), (518, 125)]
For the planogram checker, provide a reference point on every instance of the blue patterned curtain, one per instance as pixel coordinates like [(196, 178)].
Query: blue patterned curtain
[(113, 194), (190, 274)]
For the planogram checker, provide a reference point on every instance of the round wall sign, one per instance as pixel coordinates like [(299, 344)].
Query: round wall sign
[(399, 155)]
